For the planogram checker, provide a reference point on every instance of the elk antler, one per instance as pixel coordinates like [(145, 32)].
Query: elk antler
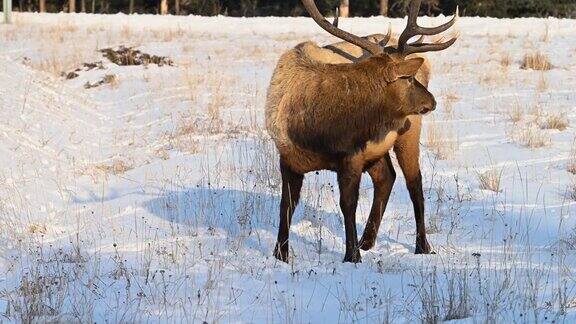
[(404, 48), (335, 23), (387, 37), (334, 30), (412, 29)]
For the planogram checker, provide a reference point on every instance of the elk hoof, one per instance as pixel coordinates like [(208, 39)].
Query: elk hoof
[(422, 247), (367, 244), (353, 257), (281, 252)]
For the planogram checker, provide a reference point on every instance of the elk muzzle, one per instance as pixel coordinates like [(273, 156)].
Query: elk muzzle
[(426, 108)]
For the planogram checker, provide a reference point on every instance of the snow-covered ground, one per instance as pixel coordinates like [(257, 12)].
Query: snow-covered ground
[(154, 196)]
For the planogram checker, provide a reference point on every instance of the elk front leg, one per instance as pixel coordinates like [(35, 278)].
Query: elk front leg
[(349, 176), (383, 177), (417, 197), (407, 148), (291, 187)]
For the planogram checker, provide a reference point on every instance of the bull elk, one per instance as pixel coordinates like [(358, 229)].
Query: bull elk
[(324, 113)]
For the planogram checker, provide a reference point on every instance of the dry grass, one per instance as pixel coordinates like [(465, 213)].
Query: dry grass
[(109, 79), (506, 60), (441, 141), (536, 112), (37, 228), (572, 190), (217, 102), (57, 62), (494, 78), (117, 166), (450, 99), (161, 153), (514, 112), (536, 61), (184, 138), (193, 81), (546, 36), (112, 80), (185, 143), (530, 125), (571, 165), (530, 136), (490, 180), (102, 170), (444, 303), (542, 83), (557, 121)]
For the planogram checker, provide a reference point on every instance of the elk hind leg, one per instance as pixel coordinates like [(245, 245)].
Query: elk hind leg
[(291, 187), (383, 177), (349, 176)]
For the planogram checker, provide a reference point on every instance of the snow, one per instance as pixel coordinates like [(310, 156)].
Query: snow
[(155, 198)]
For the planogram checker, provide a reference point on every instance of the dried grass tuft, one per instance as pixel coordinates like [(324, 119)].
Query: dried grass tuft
[(536, 61), (557, 121), (490, 180)]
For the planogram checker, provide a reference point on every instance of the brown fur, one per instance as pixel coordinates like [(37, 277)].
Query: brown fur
[(406, 147), (318, 111), (325, 113)]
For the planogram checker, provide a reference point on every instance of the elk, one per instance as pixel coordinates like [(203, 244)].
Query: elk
[(324, 113)]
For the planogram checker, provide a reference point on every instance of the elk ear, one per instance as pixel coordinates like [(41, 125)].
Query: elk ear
[(409, 67), (391, 73)]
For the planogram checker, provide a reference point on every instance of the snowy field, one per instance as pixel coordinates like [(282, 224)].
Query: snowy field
[(151, 193)]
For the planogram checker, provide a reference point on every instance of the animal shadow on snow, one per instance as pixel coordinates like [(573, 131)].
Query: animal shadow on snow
[(253, 216)]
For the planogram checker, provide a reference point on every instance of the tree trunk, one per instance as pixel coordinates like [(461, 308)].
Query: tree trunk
[(163, 7), (71, 5), (42, 5), (83, 6), (7, 9), (177, 7), (384, 8), (93, 6), (344, 8), (131, 7)]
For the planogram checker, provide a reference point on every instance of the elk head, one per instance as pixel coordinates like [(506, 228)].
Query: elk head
[(410, 95), (404, 92)]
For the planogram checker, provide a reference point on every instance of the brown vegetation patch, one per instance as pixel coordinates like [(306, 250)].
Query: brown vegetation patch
[(111, 79), (125, 56), (536, 61), (116, 166), (557, 121), (490, 180), (37, 229), (505, 60), (85, 67)]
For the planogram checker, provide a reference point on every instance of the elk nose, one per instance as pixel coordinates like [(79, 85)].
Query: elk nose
[(429, 107)]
